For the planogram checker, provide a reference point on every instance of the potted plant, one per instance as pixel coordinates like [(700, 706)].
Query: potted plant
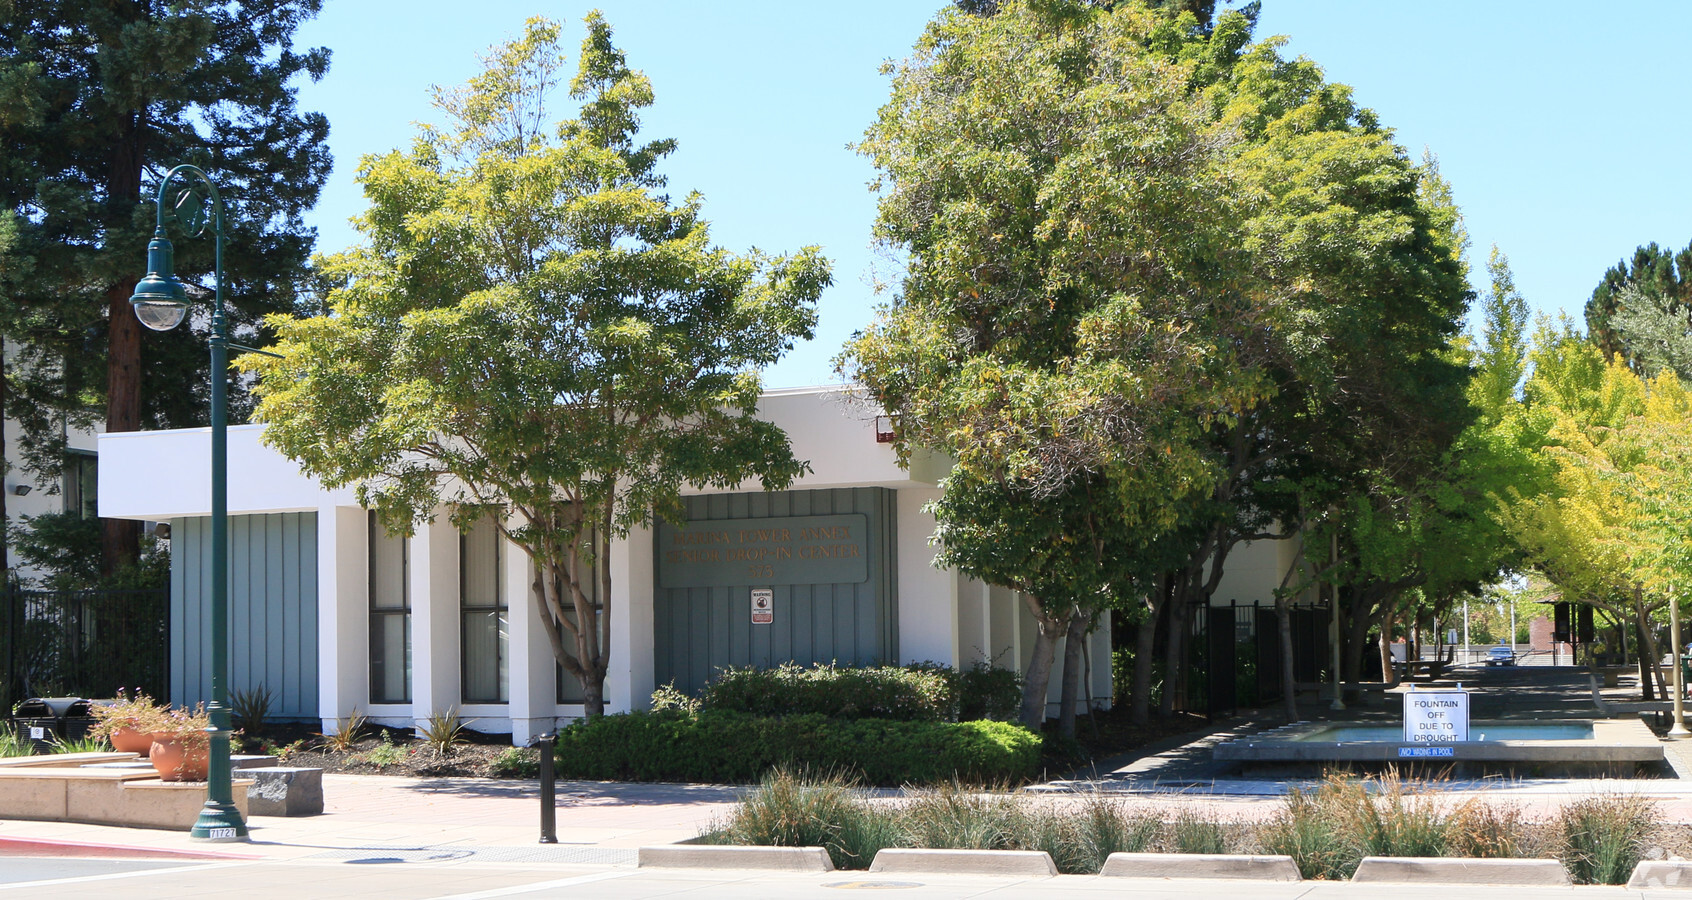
[(129, 722), (181, 749)]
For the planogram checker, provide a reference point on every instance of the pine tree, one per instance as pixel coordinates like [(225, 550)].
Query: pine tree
[(97, 101), (1662, 277)]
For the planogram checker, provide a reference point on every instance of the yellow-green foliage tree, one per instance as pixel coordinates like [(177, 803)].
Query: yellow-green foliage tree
[(1612, 528)]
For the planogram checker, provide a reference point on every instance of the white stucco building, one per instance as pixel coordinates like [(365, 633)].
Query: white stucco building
[(333, 616)]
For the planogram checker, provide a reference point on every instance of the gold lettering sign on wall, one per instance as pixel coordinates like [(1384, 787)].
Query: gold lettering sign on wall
[(788, 550)]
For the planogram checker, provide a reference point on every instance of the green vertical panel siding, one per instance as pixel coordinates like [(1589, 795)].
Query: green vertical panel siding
[(272, 609), (699, 630)]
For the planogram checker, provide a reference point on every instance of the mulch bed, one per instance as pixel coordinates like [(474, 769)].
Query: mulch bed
[(392, 751)]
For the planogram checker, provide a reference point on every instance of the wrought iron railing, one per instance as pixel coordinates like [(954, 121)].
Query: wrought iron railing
[(83, 643)]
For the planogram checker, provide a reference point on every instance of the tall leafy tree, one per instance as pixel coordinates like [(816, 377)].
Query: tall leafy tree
[(97, 100), (534, 332), (1149, 255), (1056, 187)]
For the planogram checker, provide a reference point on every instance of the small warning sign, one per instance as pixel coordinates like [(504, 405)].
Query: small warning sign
[(763, 606)]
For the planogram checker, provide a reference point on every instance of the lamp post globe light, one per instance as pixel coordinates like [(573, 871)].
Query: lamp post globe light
[(160, 302)]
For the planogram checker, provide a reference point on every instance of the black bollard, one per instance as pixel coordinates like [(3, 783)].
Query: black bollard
[(548, 787)]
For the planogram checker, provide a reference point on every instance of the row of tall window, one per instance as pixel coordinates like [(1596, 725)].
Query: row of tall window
[(484, 619)]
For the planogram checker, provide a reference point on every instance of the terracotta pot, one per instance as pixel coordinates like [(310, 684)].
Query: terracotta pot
[(180, 758), (128, 740)]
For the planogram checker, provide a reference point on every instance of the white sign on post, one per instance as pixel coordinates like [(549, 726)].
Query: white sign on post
[(763, 606), (1436, 716)]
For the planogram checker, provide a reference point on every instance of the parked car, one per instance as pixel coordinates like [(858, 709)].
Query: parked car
[(1501, 656)]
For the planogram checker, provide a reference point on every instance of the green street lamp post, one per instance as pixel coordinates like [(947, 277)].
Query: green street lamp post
[(160, 303)]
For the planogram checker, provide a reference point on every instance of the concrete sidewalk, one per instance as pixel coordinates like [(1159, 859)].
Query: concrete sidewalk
[(441, 818)]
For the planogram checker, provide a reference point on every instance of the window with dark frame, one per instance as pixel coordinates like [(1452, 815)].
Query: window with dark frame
[(81, 478), (484, 616), (390, 616)]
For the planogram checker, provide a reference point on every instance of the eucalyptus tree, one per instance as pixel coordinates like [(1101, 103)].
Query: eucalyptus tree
[(536, 333)]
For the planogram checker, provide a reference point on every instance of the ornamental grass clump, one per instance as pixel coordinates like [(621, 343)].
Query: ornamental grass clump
[(952, 816), (786, 810), (1398, 820), (1603, 838), (1481, 830), (1196, 831), (11, 744), (1316, 829)]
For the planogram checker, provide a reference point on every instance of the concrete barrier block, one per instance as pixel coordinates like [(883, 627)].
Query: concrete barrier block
[(251, 760), (1440, 870), (1661, 874), (1016, 863), (708, 856), (284, 791), (1200, 865)]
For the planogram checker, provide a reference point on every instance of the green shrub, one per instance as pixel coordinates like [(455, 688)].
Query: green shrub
[(516, 762), (730, 747), (988, 692), (387, 753), (908, 694), (1603, 838)]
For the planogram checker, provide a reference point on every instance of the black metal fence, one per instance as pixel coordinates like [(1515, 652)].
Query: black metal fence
[(83, 643), (1233, 656)]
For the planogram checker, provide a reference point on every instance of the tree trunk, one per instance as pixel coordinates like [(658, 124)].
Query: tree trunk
[(1388, 673), (1037, 682), (1289, 686), (1145, 644), (1074, 638), (120, 539), (1650, 655), (1364, 606), (1174, 655), (5, 468)]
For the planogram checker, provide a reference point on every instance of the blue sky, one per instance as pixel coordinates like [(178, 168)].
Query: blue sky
[(1561, 125)]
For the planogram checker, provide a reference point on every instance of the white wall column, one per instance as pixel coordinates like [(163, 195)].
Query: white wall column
[(928, 597), (434, 618), (343, 614), (632, 676), (975, 622), (533, 672)]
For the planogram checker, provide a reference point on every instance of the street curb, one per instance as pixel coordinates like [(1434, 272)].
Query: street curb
[(714, 856), (1441, 870), (1651, 874), (37, 847), (1018, 863), (1200, 865)]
